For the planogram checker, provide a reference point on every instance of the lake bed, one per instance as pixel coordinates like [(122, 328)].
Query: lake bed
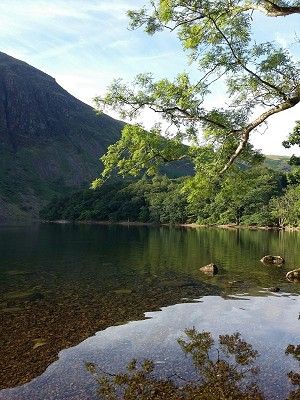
[(60, 284)]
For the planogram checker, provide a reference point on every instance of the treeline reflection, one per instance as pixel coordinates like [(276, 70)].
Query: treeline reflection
[(223, 369)]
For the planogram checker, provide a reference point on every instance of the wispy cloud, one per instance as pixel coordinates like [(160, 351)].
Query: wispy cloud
[(75, 9), (84, 44)]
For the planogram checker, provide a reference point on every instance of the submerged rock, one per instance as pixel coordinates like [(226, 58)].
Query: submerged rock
[(21, 296), (180, 283), (123, 291), (274, 289), (38, 343), (277, 260), (210, 269), (293, 275), (36, 296), (16, 272), (11, 309)]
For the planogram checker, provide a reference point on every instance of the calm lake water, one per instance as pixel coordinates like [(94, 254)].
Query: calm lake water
[(72, 295)]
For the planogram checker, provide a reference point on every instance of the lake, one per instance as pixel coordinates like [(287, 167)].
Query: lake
[(75, 299)]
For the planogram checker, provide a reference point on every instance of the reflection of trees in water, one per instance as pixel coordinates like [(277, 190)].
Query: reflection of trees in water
[(237, 252), (225, 371), (294, 377)]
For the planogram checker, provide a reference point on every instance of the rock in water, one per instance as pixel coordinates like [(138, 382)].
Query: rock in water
[(293, 275), (274, 289), (210, 269), (278, 260)]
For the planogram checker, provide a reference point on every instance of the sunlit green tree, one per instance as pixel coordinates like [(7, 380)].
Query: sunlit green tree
[(261, 79), (286, 209)]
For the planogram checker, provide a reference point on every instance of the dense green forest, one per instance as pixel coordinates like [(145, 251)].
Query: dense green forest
[(231, 183), (254, 196)]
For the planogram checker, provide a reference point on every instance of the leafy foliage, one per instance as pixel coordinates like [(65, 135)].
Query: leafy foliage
[(217, 38), (259, 78), (286, 209), (158, 201), (147, 151), (242, 197)]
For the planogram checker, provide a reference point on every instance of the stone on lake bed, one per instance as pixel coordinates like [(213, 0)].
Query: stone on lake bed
[(274, 289), (27, 295), (234, 283), (123, 291), (277, 260), (179, 283), (293, 275), (17, 272), (11, 309), (210, 269), (38, 343)]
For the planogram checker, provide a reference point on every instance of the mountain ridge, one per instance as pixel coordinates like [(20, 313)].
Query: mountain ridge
[(50, 142)]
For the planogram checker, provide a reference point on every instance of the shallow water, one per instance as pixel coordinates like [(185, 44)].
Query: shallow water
[(268, 323), (61, 283)]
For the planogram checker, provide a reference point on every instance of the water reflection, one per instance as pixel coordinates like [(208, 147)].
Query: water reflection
[(61, 284), (267, 327), (294, 377), (224, 368)]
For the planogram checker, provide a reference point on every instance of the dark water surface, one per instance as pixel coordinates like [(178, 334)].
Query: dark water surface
[(60, 284)]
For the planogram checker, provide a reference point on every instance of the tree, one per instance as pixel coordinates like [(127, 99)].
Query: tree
[(262, 79), (286, 209), (241, 197)]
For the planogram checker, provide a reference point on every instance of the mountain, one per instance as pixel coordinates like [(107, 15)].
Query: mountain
[(278, 163), (50, 142)]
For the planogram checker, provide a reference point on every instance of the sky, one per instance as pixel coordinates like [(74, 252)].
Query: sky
[(85, 44)]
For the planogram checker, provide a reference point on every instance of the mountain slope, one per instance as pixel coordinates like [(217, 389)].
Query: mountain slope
[(50, 142), (278, 163)]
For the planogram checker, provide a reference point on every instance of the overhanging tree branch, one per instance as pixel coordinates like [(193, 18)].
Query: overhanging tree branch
[(245, 133), (271, 9), (244, 66), (217, 35)]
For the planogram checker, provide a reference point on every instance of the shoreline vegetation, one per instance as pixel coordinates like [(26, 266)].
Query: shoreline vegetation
[(255, 198), (188, 225)]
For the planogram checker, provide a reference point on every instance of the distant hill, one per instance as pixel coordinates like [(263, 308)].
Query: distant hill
[(50, 142), (278, 163)]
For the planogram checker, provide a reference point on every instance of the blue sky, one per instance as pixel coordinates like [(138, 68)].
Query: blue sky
[(84, 44)]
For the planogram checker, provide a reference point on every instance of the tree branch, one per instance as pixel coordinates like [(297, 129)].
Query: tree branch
[(245, 133), (196, 117), (244, 66), (274, 10)]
